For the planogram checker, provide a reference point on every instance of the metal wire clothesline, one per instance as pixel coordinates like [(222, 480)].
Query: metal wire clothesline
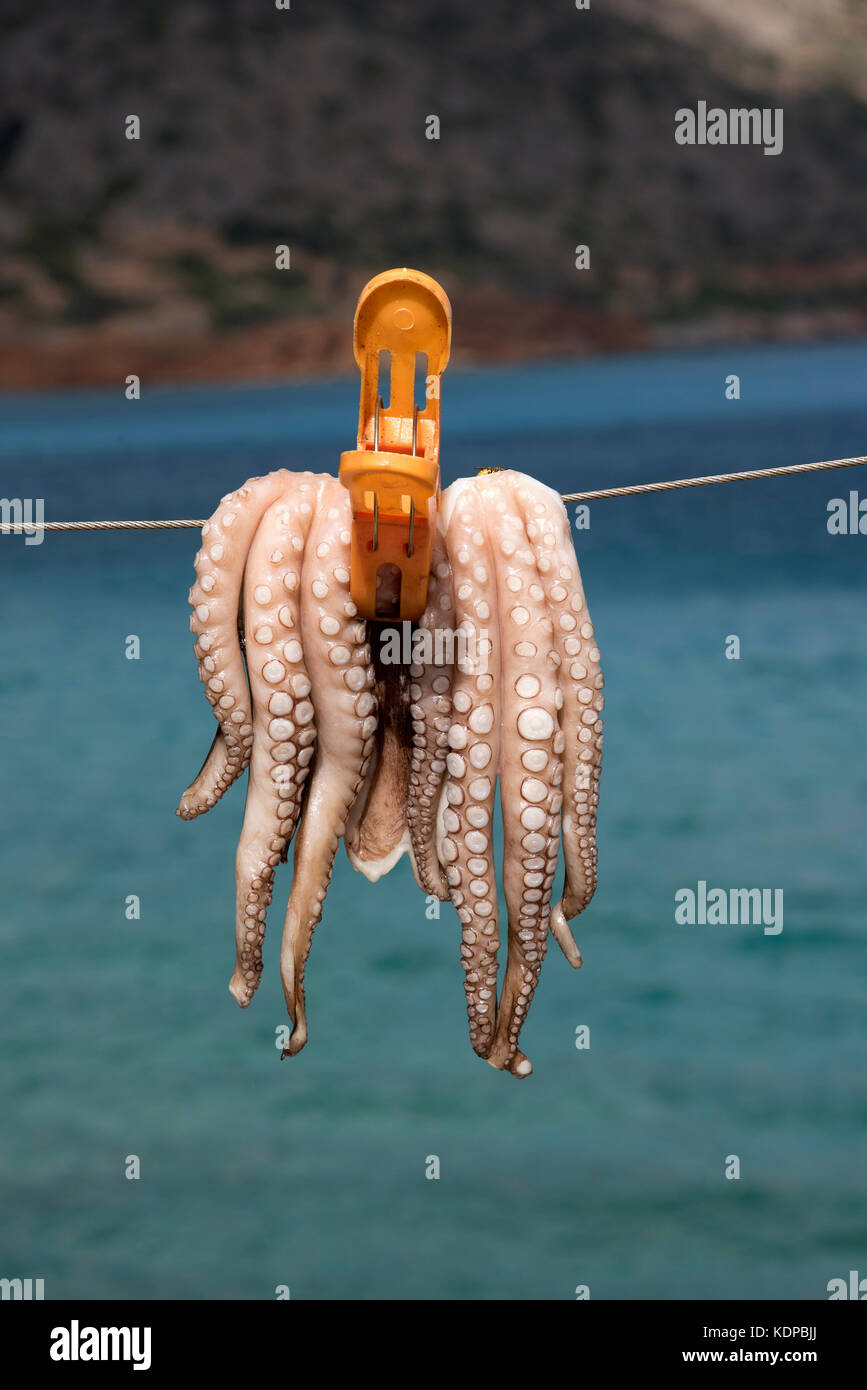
[(599, 494)]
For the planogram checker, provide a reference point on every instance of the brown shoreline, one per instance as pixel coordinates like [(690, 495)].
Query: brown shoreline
[(491, 326)]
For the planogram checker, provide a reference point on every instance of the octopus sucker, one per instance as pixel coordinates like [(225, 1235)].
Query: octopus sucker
[(466, 848), (403, 754), (215, 600), (283, 732)]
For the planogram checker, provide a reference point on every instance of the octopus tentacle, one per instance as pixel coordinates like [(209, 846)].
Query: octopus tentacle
[(285, 731), (531, 762), (466, 816), (582, 683), (213, 778), (377, 834), (430, 693), (341, 673), (215, 598)]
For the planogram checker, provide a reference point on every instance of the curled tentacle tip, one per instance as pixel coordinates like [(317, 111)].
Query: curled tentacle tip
[(563, 936), (295, 1044), (241, 993), (189, 807), (520, 1066)]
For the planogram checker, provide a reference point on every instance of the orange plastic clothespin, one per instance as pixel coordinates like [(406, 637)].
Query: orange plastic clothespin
[(393, 476)]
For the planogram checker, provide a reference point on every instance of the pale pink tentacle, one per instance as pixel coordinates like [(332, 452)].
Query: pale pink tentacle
[(530, 760), (580, 718), (466, 837), (341, 672), (284, 731), (215, 599)]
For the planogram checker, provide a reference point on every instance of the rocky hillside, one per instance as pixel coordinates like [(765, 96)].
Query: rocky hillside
[(307, 127)]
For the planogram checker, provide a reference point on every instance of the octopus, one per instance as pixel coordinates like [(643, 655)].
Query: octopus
[(404, 757)]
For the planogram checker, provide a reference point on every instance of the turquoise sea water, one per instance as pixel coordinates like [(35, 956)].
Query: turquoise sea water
[(606, 1167)]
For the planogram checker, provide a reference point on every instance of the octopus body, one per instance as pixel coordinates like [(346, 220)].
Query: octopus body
[(504, 684)]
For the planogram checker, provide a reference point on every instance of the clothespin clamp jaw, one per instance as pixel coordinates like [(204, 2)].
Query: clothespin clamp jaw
[(393, 474)]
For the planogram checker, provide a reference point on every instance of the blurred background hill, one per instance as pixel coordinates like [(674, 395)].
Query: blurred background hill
[(306, 127)]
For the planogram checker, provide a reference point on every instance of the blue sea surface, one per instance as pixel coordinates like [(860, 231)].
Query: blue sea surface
[(607, 1167)]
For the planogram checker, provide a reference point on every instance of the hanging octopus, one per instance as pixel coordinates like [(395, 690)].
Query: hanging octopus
[(397, 758)]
